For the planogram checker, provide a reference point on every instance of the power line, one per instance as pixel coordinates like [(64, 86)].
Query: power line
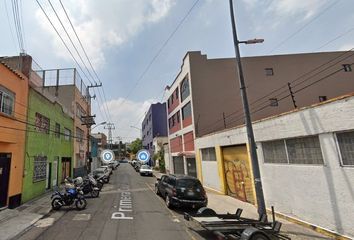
[(303, 27), (10, 25), (160, 50)]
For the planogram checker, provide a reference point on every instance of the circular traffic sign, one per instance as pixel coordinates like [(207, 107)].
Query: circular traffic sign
[(143, 155), (107, 155)]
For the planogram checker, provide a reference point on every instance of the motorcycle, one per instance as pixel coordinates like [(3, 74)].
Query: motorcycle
[(73, 194), (90, 185)]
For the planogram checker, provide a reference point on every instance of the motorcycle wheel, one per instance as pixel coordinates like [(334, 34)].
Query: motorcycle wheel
[(100, 185), (81, 203), (56, 205), (106, 180), (95, 193)]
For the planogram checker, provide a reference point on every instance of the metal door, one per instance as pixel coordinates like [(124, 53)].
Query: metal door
[(5, 160), (191, 167), (55, 172), (49, 175), (178, 165)]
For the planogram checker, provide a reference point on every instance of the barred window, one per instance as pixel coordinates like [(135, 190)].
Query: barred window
[(42, 123), (274, 152), (57, 130), (40, 168), (305, 150), (7, 100), (67, 134), (208, 154), (79, 135), (346, 147)]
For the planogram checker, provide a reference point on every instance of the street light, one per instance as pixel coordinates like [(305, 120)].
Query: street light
[(250, 134), (135, 127), (102, 123)]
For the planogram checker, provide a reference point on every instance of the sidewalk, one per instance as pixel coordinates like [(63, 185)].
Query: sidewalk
[(223, 204), (18, 220)]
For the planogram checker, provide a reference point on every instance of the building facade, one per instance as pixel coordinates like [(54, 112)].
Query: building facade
[(154, 125), (205, 95), (49, 148), (13, 120), (306, 162)]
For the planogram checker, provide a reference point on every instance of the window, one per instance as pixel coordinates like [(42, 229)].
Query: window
[(269, 71), (42, 123), (208, 154), (322, 98), (274, 152), (79, 135), (7, 99), (57, 130), (178, 117), (346, 147), (347, 67), (305, 150), (273, 102), (176, 92), (184, 89), (39, 168), (80, 112), (186, 111), (67, 134)]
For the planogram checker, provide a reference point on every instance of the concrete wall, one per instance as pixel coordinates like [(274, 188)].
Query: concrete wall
[(13, 140), (321, 195), (42, 144)]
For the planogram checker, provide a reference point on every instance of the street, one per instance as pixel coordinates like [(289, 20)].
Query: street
[(144, 217)]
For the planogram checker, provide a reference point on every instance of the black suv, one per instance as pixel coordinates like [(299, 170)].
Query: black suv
[(181, 191)]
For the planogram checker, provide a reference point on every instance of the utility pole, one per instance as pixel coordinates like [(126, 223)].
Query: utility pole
[(89, 121), (110, 127), (250, 134)]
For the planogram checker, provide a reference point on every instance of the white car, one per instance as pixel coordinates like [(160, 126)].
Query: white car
[(145, 170)]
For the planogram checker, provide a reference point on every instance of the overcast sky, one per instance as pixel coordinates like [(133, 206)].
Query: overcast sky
[(122, 37)]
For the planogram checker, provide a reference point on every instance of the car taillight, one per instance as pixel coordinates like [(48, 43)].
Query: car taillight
[(174, 192)]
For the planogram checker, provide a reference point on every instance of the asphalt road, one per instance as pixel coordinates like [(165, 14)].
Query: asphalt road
[(127, 209)]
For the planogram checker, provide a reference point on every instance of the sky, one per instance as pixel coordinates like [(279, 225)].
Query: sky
[(136, 46)]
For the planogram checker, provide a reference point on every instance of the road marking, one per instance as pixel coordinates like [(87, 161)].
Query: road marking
[(82, 217), (45, 222), (125, 205), (120, 191)]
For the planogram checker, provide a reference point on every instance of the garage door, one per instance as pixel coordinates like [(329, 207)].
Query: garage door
[(237, 173)]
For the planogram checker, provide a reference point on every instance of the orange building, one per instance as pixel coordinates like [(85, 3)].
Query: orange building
[(13, 117)]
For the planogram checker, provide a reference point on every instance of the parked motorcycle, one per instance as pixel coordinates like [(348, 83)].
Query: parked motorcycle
[(90, 185), (73, 194)]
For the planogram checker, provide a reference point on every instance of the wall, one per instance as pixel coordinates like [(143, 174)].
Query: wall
[(42, 144), (159, 120), (13, 140), (215, 85), (318, 194)]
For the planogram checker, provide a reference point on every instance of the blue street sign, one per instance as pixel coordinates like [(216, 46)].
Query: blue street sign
[(143, 155)]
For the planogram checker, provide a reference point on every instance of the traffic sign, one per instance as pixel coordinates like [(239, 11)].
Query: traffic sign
[(107, 156), (143, 155)]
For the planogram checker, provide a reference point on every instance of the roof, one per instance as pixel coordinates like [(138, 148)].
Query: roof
[(20, 75)]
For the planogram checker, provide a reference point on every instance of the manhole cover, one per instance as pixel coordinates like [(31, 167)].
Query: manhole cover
[(82, 217)]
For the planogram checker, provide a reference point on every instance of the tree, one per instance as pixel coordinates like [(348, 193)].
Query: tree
[(136, 145)]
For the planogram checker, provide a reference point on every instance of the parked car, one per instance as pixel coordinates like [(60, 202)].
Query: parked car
[(145, 170), (114, 164), (181, 191), (109, 169), (101, 173), (137, 166)]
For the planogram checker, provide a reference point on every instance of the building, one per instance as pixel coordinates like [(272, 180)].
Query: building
[(13, 120), (100, 143), (68, 87), (306, 159), (49, 144), (205, 96), (154, 125)]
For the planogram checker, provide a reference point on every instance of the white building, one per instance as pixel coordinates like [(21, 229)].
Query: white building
[(306, 159)]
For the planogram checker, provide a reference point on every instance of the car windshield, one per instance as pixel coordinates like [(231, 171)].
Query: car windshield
[(145, 167), (188, 183)]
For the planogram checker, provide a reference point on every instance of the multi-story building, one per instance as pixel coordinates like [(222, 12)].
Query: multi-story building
[(13, 119), (205, 95), (154, 126)]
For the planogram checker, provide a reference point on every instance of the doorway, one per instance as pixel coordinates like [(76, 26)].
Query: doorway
[(65, 168), (191, 167), (49, 175), (5, 163)]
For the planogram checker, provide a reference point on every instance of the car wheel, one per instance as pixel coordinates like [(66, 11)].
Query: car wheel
[(168, 201), (95, 193), (157, 190)]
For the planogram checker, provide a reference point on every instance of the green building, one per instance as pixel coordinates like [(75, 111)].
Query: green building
[(49, 144)]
